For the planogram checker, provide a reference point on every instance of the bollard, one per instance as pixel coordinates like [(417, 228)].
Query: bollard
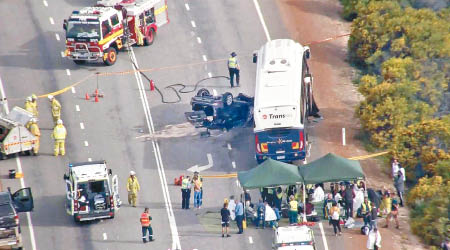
[(152, 85)]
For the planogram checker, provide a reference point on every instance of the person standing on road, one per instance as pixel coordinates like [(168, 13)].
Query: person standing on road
[(293, 210), (374, 239), (56, 108), (34, 105), (185, 192), (59, 134), (34, 129), (197, 191), (373, 216), (393, 214), (200, 178), (365, 211), (349, 196), (225, 214), (239, 216), (146, 226), (28, 105), (133, 188), (395, 167), (399, 184), (335, 214), (233, 69), (231, 207)]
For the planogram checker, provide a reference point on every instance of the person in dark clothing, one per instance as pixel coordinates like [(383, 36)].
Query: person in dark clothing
[(373, 216), (291, 190), (270, 196), (309, 207), (278, 198), (248, 199), (225, 214), (261, 211), (399, 184), (349, 195), (334, 218)]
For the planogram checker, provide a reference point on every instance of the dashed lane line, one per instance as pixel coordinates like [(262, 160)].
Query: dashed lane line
[(209, 74), (45, 3), (105, 237), (193, 24), (250, 239), (81, 125), (51, 20), (77, 108), (228, 145), (62, 54), (187, 6), (89, 159), (204, 58), (199, 40), (233, 164), (73, 90), (68, 72), (86, 143), (57, 37)]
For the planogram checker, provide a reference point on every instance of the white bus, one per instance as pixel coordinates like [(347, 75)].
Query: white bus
[(283, 100)]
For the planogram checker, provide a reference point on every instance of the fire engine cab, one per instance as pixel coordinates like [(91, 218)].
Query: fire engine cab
[(91, 192), (99, 32)]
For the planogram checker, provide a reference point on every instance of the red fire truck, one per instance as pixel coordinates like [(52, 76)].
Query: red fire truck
[(99, 32)]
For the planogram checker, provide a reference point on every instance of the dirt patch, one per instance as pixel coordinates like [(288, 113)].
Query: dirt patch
[(309, 21)]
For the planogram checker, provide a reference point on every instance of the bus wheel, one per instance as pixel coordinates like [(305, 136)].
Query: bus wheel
[(110, 56), (79, 62), (148, 40)]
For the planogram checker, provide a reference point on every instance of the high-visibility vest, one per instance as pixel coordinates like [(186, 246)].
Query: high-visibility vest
[(34, 129), (56, 107), (232, 62), (364, 208), (293, 205), (185, 183), (59, 132), (29, 107), (145, 219), (280, 195)]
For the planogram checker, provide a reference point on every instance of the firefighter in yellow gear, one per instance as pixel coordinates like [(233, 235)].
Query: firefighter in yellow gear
[(56, 108), (29, 105), (34, 105), (59, 134), (34, 129), (132, 188)]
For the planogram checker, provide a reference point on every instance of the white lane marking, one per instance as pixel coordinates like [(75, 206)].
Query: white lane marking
[(162, 175), (68, 72), (193, 24), (237, 183), (77, 108), (202, 168), (204, 58), (57, 37), (89, 159), (62, 54), (199, 40), (233, 164), (81, 125), (261, 18), (228, 145), (51, 20), (45, 3), (209, 74), (19, 170), (73, 90), (250, 239), (187, 6), (105, 237), (86, 143), (324, 239), (343, 136)]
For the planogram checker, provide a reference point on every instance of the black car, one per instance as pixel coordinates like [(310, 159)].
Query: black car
[(222, 112)]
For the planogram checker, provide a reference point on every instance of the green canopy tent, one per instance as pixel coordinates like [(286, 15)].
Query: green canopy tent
[(331, 168), (270, 173)]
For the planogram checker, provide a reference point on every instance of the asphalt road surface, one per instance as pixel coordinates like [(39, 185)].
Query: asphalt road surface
[(116, 128)]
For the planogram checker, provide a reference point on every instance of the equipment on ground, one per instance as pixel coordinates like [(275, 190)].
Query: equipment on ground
[(294, 237), (14, 136), (221, 112), (99, 32), (91, 191), (10, 206)]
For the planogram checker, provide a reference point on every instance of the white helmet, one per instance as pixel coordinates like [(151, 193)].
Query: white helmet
[(29, 99), (132, 172), (50, 97), (59, 122), (33, 119)]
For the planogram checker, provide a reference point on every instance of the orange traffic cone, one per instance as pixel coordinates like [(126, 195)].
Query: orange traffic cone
[(87, 96), (96, 97)]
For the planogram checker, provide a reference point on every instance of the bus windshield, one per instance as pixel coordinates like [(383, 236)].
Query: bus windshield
[(83, 30)]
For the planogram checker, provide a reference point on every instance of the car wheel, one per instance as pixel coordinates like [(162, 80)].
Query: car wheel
[(150, 38), (110, 56), (203, 92), (227, 99)]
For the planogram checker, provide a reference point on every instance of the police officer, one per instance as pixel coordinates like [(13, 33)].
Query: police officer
[(185, 192), (56, 108), (59, 134), (233, 69), (146, 226), (132, 187), (34, 129)]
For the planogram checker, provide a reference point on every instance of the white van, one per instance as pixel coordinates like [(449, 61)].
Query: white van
[(294, 238)]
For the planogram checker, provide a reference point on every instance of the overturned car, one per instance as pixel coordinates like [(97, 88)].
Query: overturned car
[(220, 112)]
